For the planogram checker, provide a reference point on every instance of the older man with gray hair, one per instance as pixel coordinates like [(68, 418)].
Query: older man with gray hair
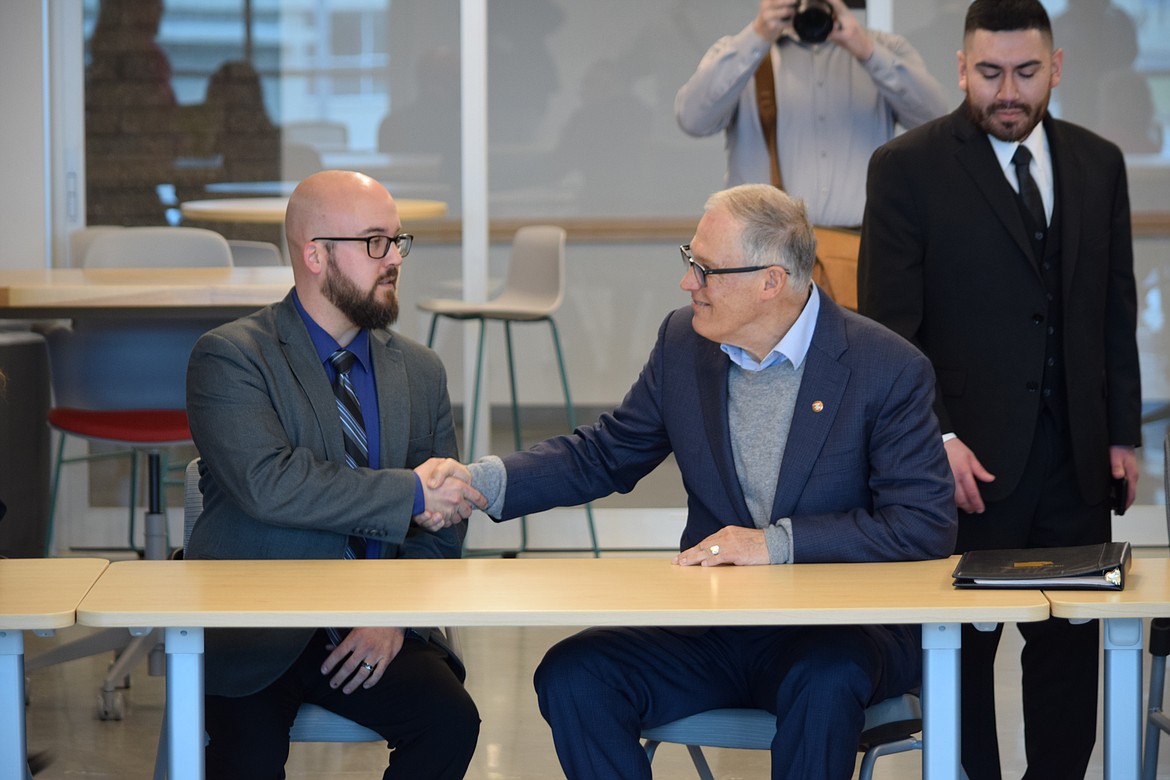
[(804, 433)]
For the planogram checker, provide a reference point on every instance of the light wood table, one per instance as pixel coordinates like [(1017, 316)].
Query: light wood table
[(41, 595), (1146, 595), (270, 211), (184, 597), (216, 293)]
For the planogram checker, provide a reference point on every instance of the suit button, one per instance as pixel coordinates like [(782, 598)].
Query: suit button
[(1037, 318), (1033, 387)]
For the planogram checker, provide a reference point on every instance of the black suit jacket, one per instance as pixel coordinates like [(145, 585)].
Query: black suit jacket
[(945, 262)]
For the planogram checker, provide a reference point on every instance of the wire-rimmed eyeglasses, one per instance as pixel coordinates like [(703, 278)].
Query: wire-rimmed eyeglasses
[(378, 246), (702, 273)]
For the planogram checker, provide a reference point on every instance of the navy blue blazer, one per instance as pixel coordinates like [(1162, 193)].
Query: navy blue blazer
[(864, 475)]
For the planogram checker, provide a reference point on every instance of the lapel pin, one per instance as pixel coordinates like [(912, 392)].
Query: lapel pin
[(818, 406)]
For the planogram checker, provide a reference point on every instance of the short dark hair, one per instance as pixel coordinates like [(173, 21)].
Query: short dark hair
[(1006, 16)]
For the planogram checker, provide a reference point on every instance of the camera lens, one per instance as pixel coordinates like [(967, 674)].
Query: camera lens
[(813, 21)]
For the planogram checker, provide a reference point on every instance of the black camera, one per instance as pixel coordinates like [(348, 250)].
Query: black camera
[(814, 20)]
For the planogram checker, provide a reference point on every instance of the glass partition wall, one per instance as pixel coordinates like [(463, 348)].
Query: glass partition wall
[(198, 99)]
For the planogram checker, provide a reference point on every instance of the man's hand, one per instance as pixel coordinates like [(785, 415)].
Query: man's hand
[(967, 469), (448, 494), (849, 34), (362, 657), (775, 17), (1123, 463), (731, 544)]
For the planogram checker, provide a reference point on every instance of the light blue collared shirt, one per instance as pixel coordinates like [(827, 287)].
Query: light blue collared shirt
[(793, 347)]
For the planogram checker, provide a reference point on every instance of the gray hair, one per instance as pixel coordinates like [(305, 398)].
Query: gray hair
[(776, 230)]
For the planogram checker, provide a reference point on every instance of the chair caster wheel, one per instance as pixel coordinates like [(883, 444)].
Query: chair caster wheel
[(111, 705)]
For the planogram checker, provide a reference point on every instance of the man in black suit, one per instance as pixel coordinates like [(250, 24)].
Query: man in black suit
[(1013, 272)]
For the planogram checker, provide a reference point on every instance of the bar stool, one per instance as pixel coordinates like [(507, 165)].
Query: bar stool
[(534, 289)]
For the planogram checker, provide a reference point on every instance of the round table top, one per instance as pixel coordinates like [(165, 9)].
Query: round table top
[(271, 210)]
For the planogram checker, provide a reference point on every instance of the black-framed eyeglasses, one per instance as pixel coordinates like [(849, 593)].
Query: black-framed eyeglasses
[(378, 246), (702, 273)]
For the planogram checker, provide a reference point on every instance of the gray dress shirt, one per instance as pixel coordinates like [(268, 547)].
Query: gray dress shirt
[(832, 112)]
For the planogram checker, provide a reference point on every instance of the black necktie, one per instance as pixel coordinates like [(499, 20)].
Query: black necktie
[(1029, 192)]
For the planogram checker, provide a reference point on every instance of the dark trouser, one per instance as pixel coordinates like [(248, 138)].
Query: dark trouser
[(419, 707), (1059, 663), (599, 688)]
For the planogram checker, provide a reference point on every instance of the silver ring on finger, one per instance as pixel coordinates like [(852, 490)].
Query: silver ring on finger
[(714, 549), (367, 667)]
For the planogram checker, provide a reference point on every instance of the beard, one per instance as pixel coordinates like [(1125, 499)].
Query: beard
[(365, 310), (984, 117)]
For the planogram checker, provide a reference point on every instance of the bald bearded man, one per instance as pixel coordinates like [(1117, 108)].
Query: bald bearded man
[(318, 429)]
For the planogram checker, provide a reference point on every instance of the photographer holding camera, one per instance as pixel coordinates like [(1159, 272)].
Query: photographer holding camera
[(832, 94)]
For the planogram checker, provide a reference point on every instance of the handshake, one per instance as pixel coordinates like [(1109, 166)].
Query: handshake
[(448, 494)]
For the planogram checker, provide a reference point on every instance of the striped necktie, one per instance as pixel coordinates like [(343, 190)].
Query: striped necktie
[(356, 448), (350, 411)]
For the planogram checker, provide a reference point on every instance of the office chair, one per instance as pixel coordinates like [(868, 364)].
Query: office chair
[(313, 723), (1157, 720), (157, 247), (123, 382), (255, 253), (120, 382), (534, 289), (80, 240), (84, 400), (890, 726)]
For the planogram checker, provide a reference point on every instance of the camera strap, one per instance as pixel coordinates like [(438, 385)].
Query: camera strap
[(835, 269), (766, 100)]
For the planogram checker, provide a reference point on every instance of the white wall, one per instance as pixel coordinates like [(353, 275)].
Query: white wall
[(24, 213)]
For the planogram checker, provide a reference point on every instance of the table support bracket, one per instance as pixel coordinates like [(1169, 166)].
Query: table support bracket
[(184, 648), (940, 707), (1123, 697)]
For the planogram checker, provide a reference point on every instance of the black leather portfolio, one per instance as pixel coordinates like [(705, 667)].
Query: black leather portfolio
[(1089, 567)]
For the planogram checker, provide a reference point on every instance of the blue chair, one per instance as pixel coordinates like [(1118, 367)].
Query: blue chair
[(123, 382), (890, 727)]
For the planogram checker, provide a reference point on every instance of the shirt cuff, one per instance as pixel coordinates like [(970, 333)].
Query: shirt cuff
[(490, 477), (948, 436), (778, 537), (420, 500)]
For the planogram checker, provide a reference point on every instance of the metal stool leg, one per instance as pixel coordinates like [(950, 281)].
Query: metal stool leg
[(516, 439), (475, 395), (1156, 719), (61, 460)]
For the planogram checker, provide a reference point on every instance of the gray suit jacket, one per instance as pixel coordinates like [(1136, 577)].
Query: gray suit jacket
[(274, 480)]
